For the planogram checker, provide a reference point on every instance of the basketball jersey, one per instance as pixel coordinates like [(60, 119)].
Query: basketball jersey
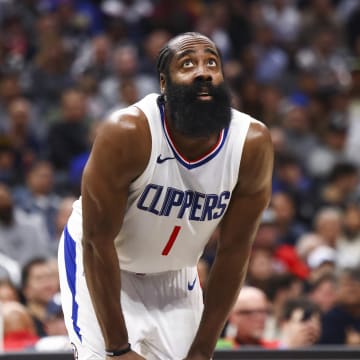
[(175, 204)]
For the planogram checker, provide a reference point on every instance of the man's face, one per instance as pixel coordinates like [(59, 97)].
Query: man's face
[(197, 97), (248, 317), (42, 284)]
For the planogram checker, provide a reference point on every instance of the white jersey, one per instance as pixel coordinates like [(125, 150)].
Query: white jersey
[(175, 204)]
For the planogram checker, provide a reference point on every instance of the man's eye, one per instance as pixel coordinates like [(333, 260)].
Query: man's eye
[(212, 62), (187, 63)]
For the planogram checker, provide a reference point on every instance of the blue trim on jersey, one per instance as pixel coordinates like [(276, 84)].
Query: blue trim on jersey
[(70, 265), (192, 164)]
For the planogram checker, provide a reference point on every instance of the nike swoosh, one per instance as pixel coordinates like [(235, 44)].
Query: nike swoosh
[(191, 285), (160, 160)]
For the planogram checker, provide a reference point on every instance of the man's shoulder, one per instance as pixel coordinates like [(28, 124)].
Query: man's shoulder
[(257, 133), (255, 126), (124, 137), (133, 110)]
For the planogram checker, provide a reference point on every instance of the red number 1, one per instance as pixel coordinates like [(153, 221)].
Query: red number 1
[(171, 240)]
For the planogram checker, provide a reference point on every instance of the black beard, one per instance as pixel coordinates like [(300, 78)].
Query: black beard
[(198, 118)]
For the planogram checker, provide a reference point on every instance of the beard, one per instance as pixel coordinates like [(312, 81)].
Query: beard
[(194, 117)]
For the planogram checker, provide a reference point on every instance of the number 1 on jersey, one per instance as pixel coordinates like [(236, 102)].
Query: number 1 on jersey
[(171, 240)]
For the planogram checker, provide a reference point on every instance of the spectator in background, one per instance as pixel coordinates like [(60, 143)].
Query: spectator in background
[(239, 27), (176, 16), (250, 97), (284, 18), (300, 324), (19, 329), (321, 261), (39, 285), (93, 58), (269, 257), (340, 187), (279, 289), (8, 291), (126, 67), (323, 291), (132, 13), (10, 90), (324, 59), (38, 196), (290, 229), (54, 324), (128, 93), (289, 177), (153, 43), (348, 246), (262, 266), (78, 162), (271, 59), (262, 262), (247, 321), (213, 22), (22, 236), (95, 103), (73, 22), (316, 15), (25, 141), (328, 225), (16, 42), (48, 76), (46, 27), (297, 125), (330, 151), (341, 324), (306, 243), (68, 137), (271, 99)]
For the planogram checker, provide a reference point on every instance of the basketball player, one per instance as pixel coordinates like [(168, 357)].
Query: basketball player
[(162, 175)]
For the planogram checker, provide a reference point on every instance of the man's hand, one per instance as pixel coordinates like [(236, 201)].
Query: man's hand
[(131, 355)]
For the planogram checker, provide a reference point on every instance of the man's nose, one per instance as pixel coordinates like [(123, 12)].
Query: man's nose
[(203, 73)]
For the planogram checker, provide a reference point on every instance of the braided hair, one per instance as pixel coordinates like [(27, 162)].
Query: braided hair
[(163, 59), (162, 66)]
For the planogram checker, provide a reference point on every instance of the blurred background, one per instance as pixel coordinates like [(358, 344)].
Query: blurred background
[(292, 64)]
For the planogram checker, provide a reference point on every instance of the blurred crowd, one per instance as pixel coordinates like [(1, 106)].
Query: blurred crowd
[(292, 64)]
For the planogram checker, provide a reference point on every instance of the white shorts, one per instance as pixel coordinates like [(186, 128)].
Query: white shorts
[(162, 311)]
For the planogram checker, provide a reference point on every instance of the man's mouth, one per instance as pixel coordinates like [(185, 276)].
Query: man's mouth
[(204, 95)]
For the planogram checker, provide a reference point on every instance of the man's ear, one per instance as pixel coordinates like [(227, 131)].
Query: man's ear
[(162, 83)]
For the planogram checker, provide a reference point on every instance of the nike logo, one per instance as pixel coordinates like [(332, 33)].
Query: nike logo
[(160, 159), (191, 285)]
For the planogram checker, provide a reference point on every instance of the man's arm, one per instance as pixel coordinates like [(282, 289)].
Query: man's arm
[(120, 153), (238, 229)]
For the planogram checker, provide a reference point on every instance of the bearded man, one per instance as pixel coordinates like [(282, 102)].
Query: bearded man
[(161, 176)]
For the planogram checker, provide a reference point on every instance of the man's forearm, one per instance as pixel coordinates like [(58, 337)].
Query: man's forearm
[(225, 280), (102, 275)]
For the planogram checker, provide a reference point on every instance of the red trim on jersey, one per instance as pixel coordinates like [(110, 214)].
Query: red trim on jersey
[(212, 149)]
